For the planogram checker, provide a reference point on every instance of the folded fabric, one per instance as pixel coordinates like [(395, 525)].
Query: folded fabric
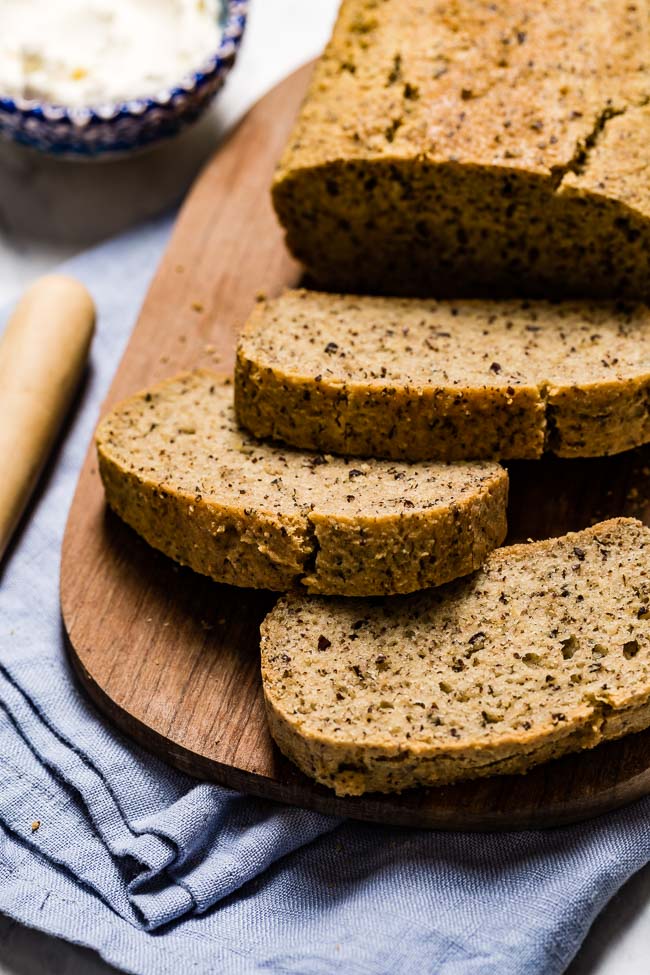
[(106, 846)]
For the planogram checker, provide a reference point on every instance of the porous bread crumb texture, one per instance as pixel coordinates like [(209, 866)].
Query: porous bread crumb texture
[(176, 467), (415, 379), (544, 651), (473, 147)]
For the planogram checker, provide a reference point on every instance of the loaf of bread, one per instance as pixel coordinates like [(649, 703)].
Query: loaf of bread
[(544, 651), (416, 379), (177, 469), (473, 147)]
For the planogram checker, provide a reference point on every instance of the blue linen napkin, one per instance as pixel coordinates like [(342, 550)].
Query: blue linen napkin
[(105, 846)]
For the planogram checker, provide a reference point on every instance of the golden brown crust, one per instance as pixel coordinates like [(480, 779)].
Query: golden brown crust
[(415, 379), (456, 148), (544, 651), (178, 470)]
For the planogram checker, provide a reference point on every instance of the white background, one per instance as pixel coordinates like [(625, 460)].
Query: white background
[(50, 210)]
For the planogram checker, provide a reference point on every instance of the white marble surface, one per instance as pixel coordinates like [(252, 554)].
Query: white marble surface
[(49, 210)]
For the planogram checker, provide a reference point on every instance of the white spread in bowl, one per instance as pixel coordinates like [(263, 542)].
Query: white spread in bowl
[(90, 52)]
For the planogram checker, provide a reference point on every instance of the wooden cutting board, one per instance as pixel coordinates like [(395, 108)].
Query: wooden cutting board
[(172, 658)]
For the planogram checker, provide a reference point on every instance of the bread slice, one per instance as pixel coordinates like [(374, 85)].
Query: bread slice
[(416, 379), (473, 147), (177, 469), (544, 651)]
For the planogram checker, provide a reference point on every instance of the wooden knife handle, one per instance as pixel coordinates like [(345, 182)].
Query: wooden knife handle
[(42, 355)]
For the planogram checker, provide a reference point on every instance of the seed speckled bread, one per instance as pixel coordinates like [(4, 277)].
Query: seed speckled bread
[(475, 147), (544, 651), (177, 469), (416, 379)]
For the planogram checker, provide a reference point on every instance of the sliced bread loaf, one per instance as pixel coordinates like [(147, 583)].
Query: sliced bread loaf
[(177, 469), (416, 379), (544, 651), (465, 147)]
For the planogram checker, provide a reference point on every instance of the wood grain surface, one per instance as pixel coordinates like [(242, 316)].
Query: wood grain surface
[(172, 658)]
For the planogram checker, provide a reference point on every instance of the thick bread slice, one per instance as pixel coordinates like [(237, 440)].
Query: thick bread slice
[(546, 650), (473, 147), (178, 470), (417, 379)]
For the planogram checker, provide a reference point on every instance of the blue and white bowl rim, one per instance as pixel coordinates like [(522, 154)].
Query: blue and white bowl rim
[(233, 29)]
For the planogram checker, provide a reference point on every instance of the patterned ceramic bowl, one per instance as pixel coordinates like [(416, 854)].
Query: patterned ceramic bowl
[(117, 128)]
